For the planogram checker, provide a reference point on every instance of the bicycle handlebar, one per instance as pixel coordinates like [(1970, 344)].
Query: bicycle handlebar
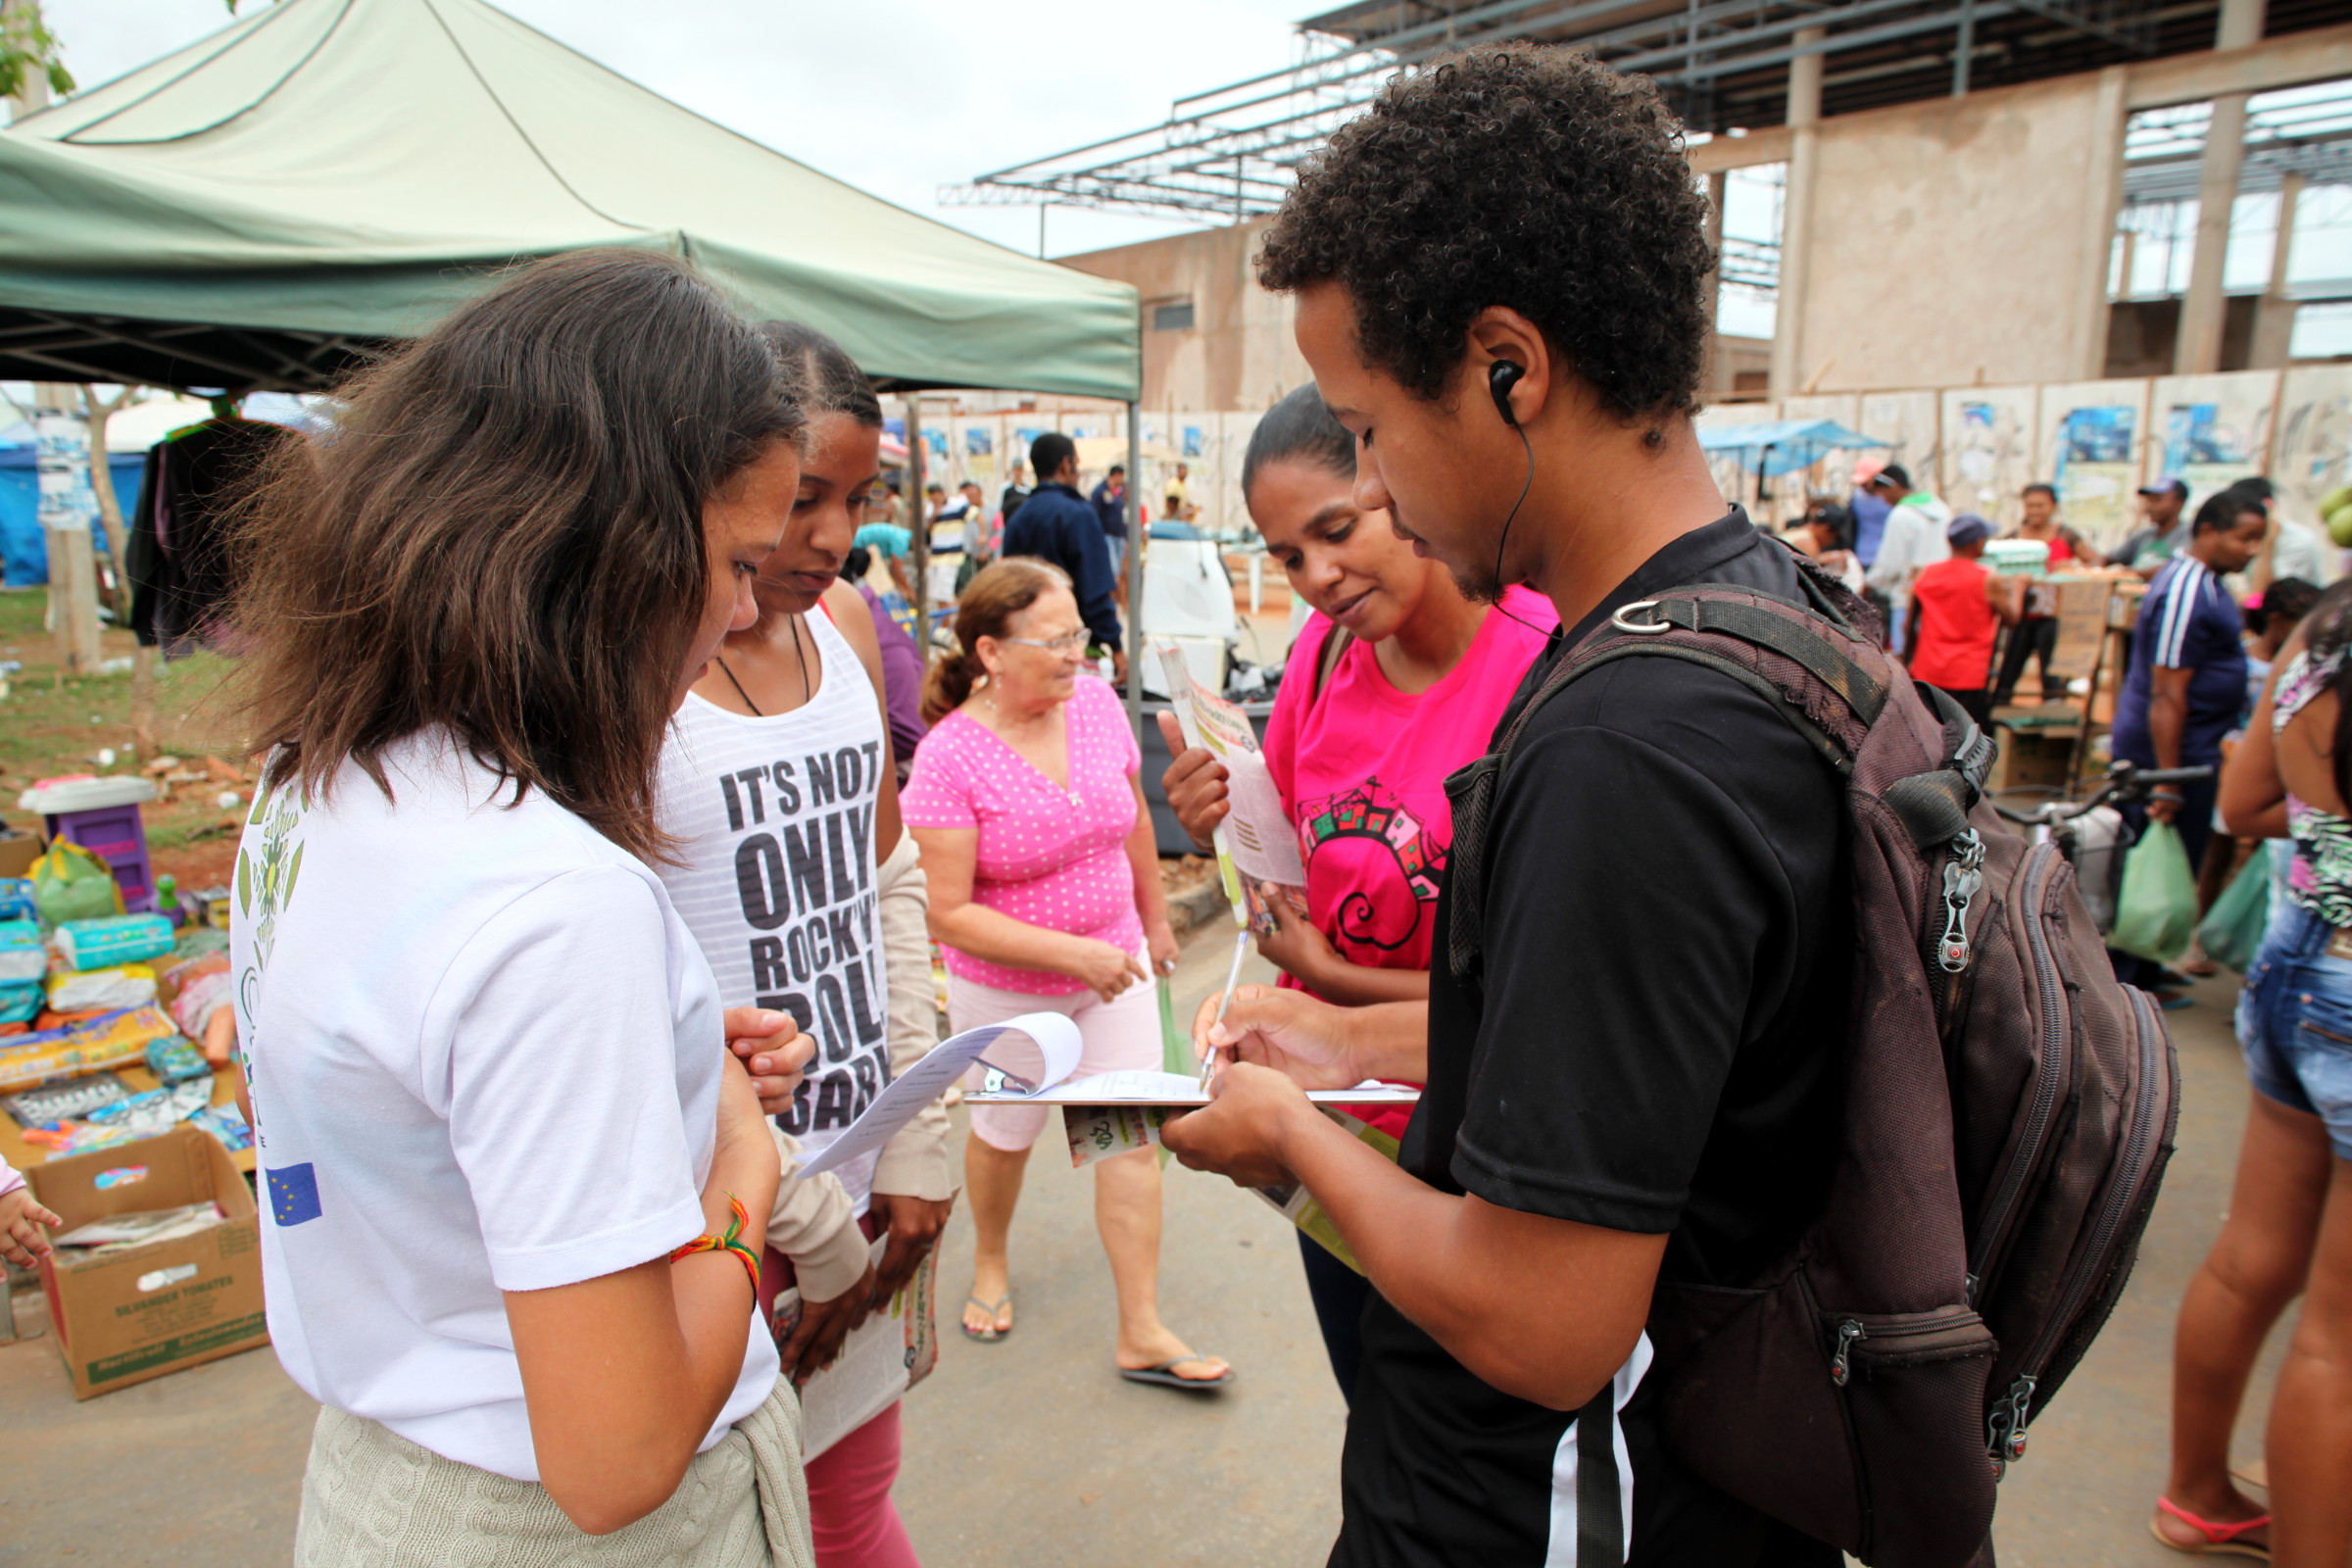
[(2124, 778)]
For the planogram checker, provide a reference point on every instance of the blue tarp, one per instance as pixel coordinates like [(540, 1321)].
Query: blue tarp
[(23, 554), (1783, 445)]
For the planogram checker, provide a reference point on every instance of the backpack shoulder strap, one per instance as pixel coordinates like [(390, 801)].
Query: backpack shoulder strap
[(1327, 664), (1804, 635)]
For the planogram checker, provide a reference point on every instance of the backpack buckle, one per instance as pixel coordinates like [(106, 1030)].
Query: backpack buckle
[(1644, 628)]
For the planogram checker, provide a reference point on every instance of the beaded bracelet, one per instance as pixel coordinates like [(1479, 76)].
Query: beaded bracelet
[(708, 1243)]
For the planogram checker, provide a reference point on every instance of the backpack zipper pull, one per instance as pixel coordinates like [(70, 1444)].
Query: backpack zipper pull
[(1962, 877), (2005, 1423), (1848, 1332)]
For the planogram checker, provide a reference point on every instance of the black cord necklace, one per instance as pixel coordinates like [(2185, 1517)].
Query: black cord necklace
[(800, 656)]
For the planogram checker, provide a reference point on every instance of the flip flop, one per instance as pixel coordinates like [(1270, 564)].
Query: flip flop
[(1164, 1375), (990, 1335), (2221, 1541)]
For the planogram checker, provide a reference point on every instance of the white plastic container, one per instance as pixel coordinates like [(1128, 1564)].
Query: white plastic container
[(88, 794), (2017, 558)]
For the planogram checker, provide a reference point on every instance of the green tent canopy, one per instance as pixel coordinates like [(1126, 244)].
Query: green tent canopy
[(264, 206)]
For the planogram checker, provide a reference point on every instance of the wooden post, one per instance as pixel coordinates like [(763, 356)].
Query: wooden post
[(61, 464)]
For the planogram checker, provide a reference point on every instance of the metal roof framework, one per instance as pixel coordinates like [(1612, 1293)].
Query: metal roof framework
[(1233, 152)]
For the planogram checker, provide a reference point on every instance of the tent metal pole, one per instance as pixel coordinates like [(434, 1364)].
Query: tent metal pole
[(918, 526), (1136, 651)]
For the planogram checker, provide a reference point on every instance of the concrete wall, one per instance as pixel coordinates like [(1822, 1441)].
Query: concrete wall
[(1237, 353), (1949, 241)]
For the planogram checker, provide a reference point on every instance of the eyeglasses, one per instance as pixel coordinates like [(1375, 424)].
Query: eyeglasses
[(1067, 642)]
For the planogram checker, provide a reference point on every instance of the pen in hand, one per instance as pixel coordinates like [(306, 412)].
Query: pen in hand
[(1233, 978)]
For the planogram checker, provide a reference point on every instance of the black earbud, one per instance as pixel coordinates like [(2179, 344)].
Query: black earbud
[(1502, 376)]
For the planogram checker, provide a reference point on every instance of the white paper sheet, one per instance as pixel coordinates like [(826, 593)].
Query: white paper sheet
[(872, 1370), (1265, 846), (1141, 1088), (1041, 1046)]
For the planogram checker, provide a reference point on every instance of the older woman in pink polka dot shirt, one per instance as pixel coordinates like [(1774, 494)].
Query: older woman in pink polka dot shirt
[(1045, 891)]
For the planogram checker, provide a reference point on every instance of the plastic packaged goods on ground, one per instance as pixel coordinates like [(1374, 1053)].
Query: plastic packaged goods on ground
[(174, 1060), (112, 940), (197, 988), (69, 883), (112, 1039), (21, 1000), (16, 898), (227, 1123), (37, 1108), (127, 985), (126, 1121), (21, 956)]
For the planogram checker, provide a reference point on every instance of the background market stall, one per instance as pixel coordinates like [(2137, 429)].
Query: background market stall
[(1771, 449)]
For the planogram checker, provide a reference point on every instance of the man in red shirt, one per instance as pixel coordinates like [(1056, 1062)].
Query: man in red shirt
[(1962, 606)]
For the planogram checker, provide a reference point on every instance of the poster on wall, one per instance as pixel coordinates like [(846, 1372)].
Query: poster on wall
[(2089, 451), (1989, 452), (1907, 423), (2210, 431), (2314, 439), (2094, 471)]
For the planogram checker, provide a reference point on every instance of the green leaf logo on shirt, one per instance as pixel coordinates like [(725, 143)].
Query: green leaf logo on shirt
[(266, 878)]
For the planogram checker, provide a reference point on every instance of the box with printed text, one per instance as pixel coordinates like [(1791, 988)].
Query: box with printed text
[(124, 1316)]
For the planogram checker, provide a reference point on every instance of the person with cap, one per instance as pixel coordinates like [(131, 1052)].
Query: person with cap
[(2148, 548), (1961, 606), (1870, 511), (1912, 541), (2186, 687)]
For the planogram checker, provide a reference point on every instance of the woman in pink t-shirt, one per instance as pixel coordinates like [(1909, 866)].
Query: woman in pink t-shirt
[(1044, 890), (1361, 745)]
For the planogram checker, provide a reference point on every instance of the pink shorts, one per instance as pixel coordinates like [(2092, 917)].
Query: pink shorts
[(1118, 1036)]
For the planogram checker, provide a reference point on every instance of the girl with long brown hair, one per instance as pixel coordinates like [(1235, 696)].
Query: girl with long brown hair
[(512, 1178)]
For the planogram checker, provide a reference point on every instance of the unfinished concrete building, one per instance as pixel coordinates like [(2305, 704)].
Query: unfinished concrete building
[(1914, 193)]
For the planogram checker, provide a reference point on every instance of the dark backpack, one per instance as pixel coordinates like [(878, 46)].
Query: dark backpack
[(2008, 1113)]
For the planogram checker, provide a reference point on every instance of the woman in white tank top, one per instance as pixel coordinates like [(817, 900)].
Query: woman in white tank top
[(779, 785)]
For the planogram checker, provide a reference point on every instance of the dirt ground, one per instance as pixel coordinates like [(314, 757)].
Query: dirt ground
[(51, 726)]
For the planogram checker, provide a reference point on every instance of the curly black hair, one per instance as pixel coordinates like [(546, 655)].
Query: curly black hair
[(1517, 175)]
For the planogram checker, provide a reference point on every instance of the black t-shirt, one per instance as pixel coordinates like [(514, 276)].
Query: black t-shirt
[(1652, 1046)]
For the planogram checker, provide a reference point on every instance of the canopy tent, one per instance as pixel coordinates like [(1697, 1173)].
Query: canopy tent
[(1781, 446), (264, 206)]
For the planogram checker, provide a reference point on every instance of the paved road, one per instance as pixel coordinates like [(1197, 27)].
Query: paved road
[(1031, 1453)]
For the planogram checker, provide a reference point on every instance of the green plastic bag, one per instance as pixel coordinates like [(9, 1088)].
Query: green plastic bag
[(69, 883), (2232, 929), (2156, 912), (1175, 1044)]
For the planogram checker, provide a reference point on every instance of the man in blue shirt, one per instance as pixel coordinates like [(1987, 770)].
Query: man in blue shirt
[(1057, 524), (2186, 685), (1110, 502)]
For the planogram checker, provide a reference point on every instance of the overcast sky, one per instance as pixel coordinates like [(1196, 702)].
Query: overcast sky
[(898, 97)]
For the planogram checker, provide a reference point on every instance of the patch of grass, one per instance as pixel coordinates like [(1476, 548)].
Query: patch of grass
[(51, 726)]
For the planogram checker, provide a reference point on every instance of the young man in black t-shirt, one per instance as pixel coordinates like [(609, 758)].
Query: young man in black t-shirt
[(1498, 272)]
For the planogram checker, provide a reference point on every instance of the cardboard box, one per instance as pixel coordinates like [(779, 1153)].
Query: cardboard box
[(18, 852), (127, 1317)]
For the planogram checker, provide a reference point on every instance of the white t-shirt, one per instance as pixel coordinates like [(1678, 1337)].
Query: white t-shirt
[(774, 819), (484, 1056), (1913, 539)]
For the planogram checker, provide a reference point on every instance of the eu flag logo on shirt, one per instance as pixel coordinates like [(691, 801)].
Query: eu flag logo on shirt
[(294, 1195)]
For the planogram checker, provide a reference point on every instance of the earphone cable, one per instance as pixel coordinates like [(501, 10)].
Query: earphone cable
[(1528, 483)]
